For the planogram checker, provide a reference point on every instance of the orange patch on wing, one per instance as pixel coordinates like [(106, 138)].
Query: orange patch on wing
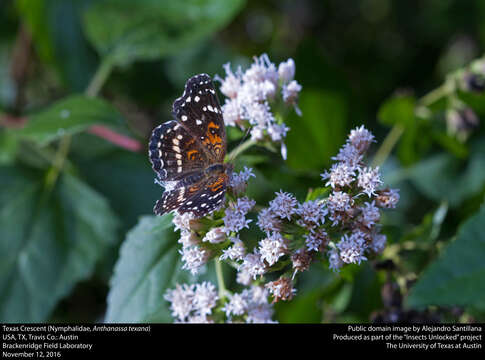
[(194, 188), (191, 154), (215, 140), (219, 183)]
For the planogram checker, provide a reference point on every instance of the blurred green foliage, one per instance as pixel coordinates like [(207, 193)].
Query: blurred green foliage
[(76, 225)]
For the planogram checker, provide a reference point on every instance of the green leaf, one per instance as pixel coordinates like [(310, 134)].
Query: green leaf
[(68, 49), (443, 177), (126, 31), (148, 264), (475, 100), (46, 247), (398, 110), (456, 277), (316, 136), (68, 116)]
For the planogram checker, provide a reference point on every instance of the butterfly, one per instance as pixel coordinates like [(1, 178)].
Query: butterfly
[(188, 153)]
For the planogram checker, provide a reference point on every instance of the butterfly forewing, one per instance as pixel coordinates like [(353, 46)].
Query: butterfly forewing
[(199, 111)]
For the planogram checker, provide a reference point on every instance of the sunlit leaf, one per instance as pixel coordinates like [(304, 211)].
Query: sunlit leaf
[(68, 116)]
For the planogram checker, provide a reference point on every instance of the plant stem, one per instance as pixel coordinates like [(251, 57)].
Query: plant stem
[(240, 148), (92, 90), (387, 145), (58, 164), (220, 278), (99, 78), (435, 95)]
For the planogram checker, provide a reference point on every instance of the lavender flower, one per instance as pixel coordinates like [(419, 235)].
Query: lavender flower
[(283, 205)]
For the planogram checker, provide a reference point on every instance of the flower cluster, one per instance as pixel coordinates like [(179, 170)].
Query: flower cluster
[(338, 224), (192, 303), (199, 303), (251, 93)]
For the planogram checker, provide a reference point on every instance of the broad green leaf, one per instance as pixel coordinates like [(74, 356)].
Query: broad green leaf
[(148, 264), (456, 277), (68, 116), (47, 244), (317, 135), (443, 177), (126, 170), (126, 31)]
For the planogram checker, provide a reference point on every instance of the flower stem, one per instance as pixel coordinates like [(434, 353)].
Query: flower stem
[(220, 278), (240, 148), (387, 145), (99, 78)]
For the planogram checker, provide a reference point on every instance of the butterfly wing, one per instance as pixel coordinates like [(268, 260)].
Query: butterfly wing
[(199, 111), (200, 198), (174, 153)]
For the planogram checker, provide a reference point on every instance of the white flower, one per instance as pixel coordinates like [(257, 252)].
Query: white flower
[(188, 238), (272, 248), (193, 257), (181, 299), (341, 174), (262, 69), (205, 298), (250, 93), (283, 205), (339, 201), (199, 319), (361, 138), (253, 264), (257, 133), (234, 252), (258, 114), (215, 235), (286, 70), (231, 112), (369, 180), (290, 92), (352, 248), (237, 305), (277, 131), (182, 222), (231, 85), (244, 277)]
